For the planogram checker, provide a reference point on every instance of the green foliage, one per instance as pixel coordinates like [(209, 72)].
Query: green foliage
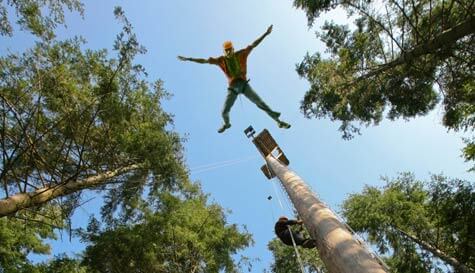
[(30, 15), (440, 212), (285, 259), (453, 210), (24, 234), (314, 8), (60, 264), (469, 150), (69, 113), (179, 235), (389, 61)]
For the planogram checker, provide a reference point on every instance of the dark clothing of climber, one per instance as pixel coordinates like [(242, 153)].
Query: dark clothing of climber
[(283, 232), (234, 66)]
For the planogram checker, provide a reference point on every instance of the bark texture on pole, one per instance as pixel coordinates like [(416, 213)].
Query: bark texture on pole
[(21, 201), (337, 247)]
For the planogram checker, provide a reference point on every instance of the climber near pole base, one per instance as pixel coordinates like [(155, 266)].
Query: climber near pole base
[(234, 66), (283, 232)]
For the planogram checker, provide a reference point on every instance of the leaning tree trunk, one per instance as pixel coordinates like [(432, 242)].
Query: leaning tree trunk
[(438, 253), (21, 201), (447, 37)]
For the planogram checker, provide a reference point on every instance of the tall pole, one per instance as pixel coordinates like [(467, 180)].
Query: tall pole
[(338, 249)]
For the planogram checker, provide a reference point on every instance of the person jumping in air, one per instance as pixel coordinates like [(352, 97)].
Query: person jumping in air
[(282, 231), (234, 66)]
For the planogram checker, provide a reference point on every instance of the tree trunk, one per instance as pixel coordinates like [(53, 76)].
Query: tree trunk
[(438, 253), (337, 247), (21, 201)]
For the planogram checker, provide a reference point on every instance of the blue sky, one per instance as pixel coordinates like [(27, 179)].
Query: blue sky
[(331, 166)]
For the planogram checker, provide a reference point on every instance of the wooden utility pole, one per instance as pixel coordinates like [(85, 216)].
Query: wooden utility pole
[(339, 250)]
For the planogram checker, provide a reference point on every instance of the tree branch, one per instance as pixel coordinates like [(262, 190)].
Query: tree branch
[(407, 18), (447, 37), (21, 201), (437, 252), (376, 21)]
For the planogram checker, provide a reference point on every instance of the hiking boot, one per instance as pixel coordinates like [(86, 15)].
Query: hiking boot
[(224, 127), (283, 124)]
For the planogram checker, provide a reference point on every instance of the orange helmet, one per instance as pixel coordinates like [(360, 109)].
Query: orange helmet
[(227, 45), (283, 218)]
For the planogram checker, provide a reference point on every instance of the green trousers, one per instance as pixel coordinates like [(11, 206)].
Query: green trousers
[(243, 87)]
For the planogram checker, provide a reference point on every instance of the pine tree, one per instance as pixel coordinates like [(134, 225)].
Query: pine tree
[(75, 119), (415, 222), (399, 59)]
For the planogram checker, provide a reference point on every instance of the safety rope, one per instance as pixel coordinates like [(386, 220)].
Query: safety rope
[(288, 201), (289, 207), (278, 198), (212, 166), (290, 231), (272, 208), (296, 251), (361, 240)]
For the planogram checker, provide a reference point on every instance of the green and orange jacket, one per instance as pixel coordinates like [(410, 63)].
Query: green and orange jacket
[(241, 56)]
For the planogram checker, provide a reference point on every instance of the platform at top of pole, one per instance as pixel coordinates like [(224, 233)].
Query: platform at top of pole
[(267, 145)]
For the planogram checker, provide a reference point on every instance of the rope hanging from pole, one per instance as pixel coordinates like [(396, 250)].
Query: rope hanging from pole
[(350, 257), (296, 251), (290, 231), (278, 198)]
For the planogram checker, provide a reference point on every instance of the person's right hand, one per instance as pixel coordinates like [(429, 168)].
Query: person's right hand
[(181, 58)]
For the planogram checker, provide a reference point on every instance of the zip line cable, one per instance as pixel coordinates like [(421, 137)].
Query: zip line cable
[(222, 164), (218, 165)]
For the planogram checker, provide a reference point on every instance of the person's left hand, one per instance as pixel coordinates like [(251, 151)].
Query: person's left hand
[(269, 29)]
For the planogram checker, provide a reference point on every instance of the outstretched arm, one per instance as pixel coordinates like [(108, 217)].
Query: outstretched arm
[(196, 60), (259, 40)]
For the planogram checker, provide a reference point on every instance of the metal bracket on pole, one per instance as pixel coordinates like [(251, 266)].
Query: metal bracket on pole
[(266, 145), (249, 132)]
